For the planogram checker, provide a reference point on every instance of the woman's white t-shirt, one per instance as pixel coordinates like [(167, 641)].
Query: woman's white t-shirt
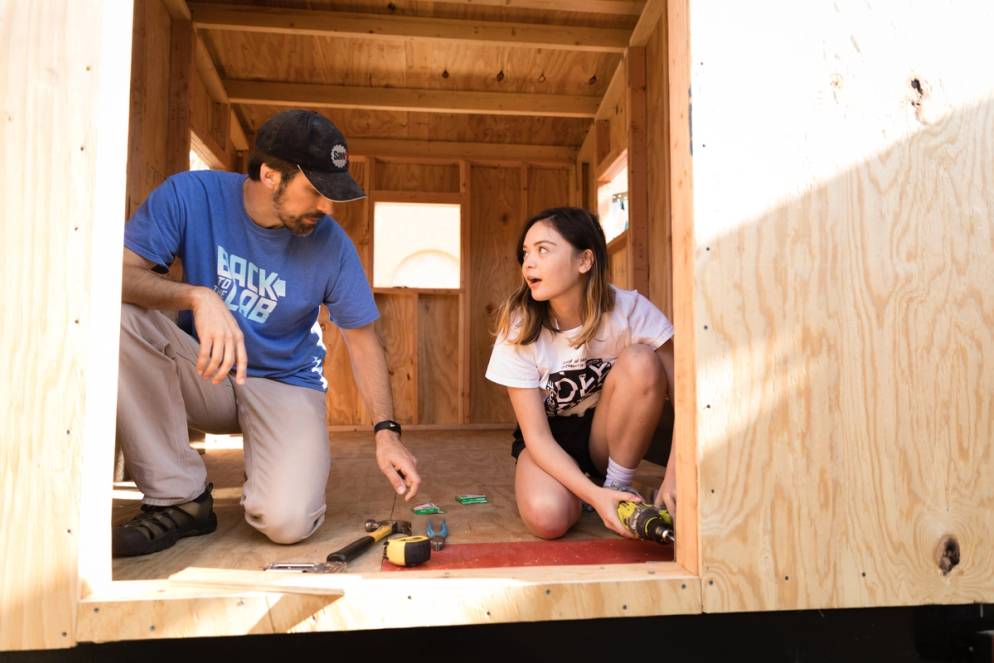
[(573, 377)]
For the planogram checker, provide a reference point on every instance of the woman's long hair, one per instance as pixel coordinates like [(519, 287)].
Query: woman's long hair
[(527, 316)]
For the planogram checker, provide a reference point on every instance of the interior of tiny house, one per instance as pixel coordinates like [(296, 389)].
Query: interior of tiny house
[(463, 118)]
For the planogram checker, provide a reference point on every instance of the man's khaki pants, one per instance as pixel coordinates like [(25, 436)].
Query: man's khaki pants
[(284, 427)]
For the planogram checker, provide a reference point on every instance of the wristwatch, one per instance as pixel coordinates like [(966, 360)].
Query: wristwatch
[(387, 424)]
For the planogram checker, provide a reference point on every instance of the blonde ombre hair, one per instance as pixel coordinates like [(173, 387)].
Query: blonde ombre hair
[(528, 317)]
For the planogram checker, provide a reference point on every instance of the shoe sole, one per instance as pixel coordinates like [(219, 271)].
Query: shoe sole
[(169, 539)]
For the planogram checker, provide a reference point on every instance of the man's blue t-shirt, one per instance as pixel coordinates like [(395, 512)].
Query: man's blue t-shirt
[(272, 280)]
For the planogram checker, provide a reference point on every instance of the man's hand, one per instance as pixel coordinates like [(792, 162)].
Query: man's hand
[(605, 502), (397, 464), (666, 496), (222, 343)]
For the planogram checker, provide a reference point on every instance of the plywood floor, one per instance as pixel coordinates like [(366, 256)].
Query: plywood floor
[(451, 463)]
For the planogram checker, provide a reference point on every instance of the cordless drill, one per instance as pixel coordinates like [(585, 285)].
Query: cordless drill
[(647, 522)]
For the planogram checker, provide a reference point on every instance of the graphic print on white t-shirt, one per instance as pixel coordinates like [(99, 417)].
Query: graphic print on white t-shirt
[(578, 379)]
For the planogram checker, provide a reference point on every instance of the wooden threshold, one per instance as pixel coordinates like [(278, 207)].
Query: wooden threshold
[(212, 602)]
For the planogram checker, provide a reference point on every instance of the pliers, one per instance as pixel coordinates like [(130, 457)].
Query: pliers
[(437, 536)]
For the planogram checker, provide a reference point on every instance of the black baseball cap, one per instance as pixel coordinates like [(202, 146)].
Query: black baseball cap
[(316, 146)]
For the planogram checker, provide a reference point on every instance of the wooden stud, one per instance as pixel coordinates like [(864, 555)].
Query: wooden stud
[(684, 321), (269, 93), (369, 26), (464, 299), (638, 167), (180, 76)]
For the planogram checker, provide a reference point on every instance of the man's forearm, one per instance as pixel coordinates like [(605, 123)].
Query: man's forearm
[(369, 367), (147, 289)]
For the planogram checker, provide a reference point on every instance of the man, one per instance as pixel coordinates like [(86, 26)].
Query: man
[(259, 257)]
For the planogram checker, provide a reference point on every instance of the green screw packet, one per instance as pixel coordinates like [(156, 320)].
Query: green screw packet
[(427, 509), (472, 499)]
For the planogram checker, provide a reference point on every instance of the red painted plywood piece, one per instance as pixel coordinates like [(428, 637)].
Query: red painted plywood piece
[(542, 553)]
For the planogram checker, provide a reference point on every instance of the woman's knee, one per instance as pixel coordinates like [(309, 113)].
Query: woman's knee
[(548, 518), (641, 367)]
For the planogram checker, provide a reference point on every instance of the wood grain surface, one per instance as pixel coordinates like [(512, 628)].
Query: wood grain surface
[(844, 252), (64, 84)]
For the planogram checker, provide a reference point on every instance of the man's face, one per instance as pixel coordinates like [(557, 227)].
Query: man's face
[(299, 206)]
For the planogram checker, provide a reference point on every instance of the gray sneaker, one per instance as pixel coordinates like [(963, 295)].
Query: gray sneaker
[(624, 487)]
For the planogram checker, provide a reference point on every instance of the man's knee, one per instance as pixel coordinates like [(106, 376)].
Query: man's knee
[(289, 524)]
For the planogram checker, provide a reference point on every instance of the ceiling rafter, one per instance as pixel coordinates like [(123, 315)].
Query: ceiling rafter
[(616, 7), (378, 26), (401, 99)]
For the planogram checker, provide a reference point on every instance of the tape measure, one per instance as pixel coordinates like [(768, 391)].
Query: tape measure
[(408, 550)]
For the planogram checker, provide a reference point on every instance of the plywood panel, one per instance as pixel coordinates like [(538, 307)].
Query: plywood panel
[(64, 84), (417, 177), (397, 329), (548, 187), (844, 251), (438, 363), (496, 217), (345, 405)]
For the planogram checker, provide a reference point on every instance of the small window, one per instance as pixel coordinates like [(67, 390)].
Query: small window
[(612, 204), (415, 245)]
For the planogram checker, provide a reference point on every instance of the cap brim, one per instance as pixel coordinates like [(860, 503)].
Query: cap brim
[(339, 187)]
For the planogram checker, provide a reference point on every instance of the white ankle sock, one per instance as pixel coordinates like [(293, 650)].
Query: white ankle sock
[(618, 474)]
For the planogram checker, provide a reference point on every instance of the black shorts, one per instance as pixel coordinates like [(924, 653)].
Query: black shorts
[(573, 435)]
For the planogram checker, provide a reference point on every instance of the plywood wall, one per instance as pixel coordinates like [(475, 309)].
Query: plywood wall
[(843, 205), (64, 86), (496, 213)]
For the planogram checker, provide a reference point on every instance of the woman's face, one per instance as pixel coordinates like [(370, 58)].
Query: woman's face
[(552, 266)]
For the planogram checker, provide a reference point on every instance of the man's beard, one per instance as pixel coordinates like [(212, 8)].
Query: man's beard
[(296, 224)]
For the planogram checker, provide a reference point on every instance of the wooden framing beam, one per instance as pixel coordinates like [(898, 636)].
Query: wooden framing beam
[(238, 137), (433, 101), (427, 151), (688, 553), (377, 26), (648, 21), (638, 171), (617, 7)]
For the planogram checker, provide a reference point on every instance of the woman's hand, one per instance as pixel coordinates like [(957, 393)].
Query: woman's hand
[(605, 502), (667, 490)]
